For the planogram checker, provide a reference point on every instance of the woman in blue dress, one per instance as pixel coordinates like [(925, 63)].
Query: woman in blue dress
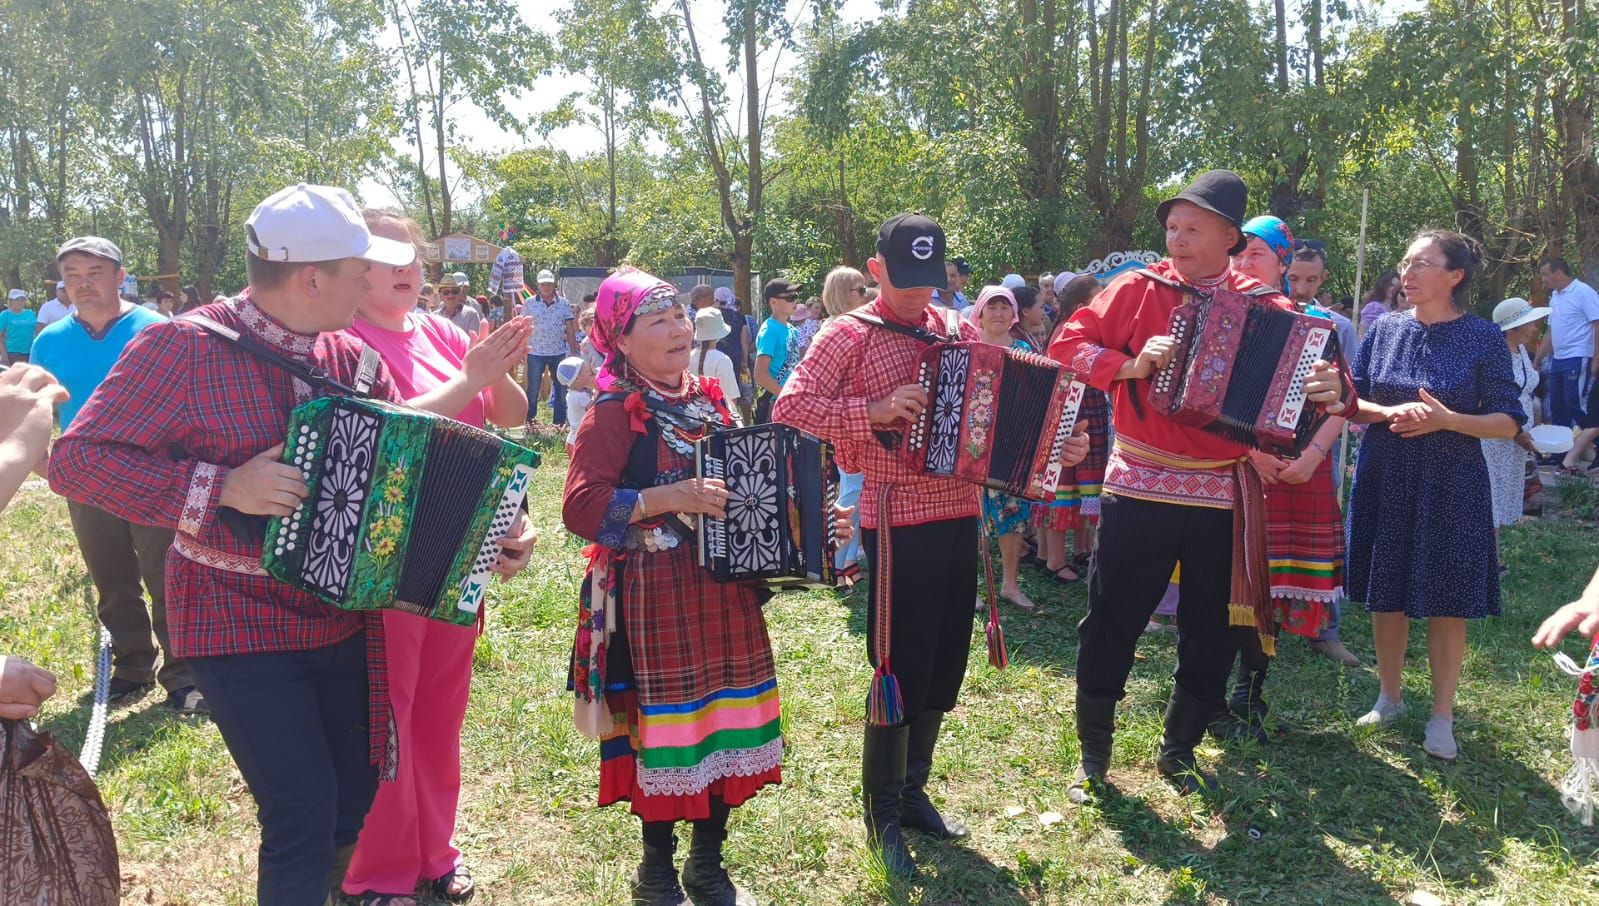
[(1433, 382)]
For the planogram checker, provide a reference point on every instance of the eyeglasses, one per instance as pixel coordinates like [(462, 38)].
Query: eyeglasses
[(859, 289), (794, 298), (449, 292)]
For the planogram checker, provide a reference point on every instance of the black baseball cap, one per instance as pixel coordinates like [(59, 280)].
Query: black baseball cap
[(913, 248), (780, 287), (961, 267)]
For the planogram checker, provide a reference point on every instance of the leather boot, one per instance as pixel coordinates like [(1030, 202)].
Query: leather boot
[(883, 758), (655, 879), (1096, 728), (1186, 719), (705, 880), (916, 811), (1238, 718)]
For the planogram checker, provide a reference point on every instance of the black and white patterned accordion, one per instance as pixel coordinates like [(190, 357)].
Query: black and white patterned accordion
[(406, 508), (781, 487), (997, 417), (1239, 370)]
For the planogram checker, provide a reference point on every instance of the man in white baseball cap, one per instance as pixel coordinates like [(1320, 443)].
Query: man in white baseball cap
[(187, 433), (56, 307)]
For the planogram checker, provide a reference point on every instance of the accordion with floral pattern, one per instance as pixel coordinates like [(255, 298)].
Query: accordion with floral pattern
[(996, 417), (406, 509), (1239, 370), (781, 487)]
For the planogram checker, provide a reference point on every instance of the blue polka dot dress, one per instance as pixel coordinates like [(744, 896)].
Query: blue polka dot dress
[(1420, 530)]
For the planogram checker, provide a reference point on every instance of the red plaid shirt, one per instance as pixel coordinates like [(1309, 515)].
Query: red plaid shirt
[(154, 444), (848, 365)]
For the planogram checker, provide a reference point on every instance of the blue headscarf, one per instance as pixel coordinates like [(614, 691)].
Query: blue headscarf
[(1274, 233)]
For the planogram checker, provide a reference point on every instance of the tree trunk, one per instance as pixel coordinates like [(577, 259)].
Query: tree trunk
[(438, 135), (1282, 49), (1575, 117)]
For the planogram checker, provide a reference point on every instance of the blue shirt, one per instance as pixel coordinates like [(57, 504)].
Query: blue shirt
[(773, 341), (79, 361), (18, 329)]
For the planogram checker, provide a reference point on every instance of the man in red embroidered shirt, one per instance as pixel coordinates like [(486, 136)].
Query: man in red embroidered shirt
[(855, 387), (186, 432), (1169, 489)]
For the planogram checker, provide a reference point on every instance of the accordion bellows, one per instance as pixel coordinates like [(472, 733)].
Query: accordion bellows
[(1239, 370), (997, 417), (406, 508), (781, 488)]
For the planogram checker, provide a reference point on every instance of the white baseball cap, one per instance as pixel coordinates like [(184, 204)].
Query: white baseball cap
[(545, 277), (307, 223), (17, 294), (61, 284)]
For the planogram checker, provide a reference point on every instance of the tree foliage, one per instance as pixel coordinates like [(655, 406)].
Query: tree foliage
[(1040, 132)]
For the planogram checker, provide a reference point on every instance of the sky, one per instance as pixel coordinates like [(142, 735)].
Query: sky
[(550, 89)]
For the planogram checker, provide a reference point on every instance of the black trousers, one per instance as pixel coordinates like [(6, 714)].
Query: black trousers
[(1140, 541), (934, 581), (296, 724)]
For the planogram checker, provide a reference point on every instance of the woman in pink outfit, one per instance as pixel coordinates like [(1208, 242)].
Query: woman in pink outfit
[(436, 365)]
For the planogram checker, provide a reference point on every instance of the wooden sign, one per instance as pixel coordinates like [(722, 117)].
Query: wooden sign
[(459, 248)]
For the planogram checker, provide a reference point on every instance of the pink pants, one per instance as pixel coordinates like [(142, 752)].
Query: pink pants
[(406, 837)]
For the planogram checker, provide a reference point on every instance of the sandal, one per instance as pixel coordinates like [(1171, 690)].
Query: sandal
[(441, 887), (1056, 577), (1081, 561)]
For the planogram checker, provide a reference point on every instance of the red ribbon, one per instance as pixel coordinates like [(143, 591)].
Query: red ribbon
[(638, 413)]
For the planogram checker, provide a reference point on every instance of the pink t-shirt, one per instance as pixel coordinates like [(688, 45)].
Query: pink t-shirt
[(422, 357)]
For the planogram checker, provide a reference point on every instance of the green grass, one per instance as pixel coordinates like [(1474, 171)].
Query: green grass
[(1330, 815)]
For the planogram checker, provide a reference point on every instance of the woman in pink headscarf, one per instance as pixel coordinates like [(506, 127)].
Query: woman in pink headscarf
[(672, 671), (1004, 516)]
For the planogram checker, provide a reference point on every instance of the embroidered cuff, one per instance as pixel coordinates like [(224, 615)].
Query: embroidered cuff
[(1097, 365), (613, 526), (200, 504)]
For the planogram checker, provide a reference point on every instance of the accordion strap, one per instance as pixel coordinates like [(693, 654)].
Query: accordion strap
[(366, 370), (1261, 290), (917, 333)]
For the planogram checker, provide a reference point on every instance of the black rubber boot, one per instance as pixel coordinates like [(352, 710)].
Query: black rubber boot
[(883, 759), (1096, 728), (1186, 720), (655, 879), (916, 811), (705, 880)]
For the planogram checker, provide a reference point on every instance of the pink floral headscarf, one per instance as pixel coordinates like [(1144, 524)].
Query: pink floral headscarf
[(623, 296), (974, 315)]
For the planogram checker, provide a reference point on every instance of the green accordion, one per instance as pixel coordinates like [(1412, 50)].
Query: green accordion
[(406, 509)]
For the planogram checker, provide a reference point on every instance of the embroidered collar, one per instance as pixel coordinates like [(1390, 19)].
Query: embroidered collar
[(1213, 282), (264, 327)]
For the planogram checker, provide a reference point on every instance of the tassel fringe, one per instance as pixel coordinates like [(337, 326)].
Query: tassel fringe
[(1240, 615), (998, 657), (885, 707)]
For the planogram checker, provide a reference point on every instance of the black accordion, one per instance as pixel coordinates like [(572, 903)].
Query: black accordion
[(781, 485)]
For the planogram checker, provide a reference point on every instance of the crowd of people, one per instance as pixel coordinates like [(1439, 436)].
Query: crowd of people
[(346, 726)]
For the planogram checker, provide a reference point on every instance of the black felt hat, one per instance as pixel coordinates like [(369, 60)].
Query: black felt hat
[(1220, 192)]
